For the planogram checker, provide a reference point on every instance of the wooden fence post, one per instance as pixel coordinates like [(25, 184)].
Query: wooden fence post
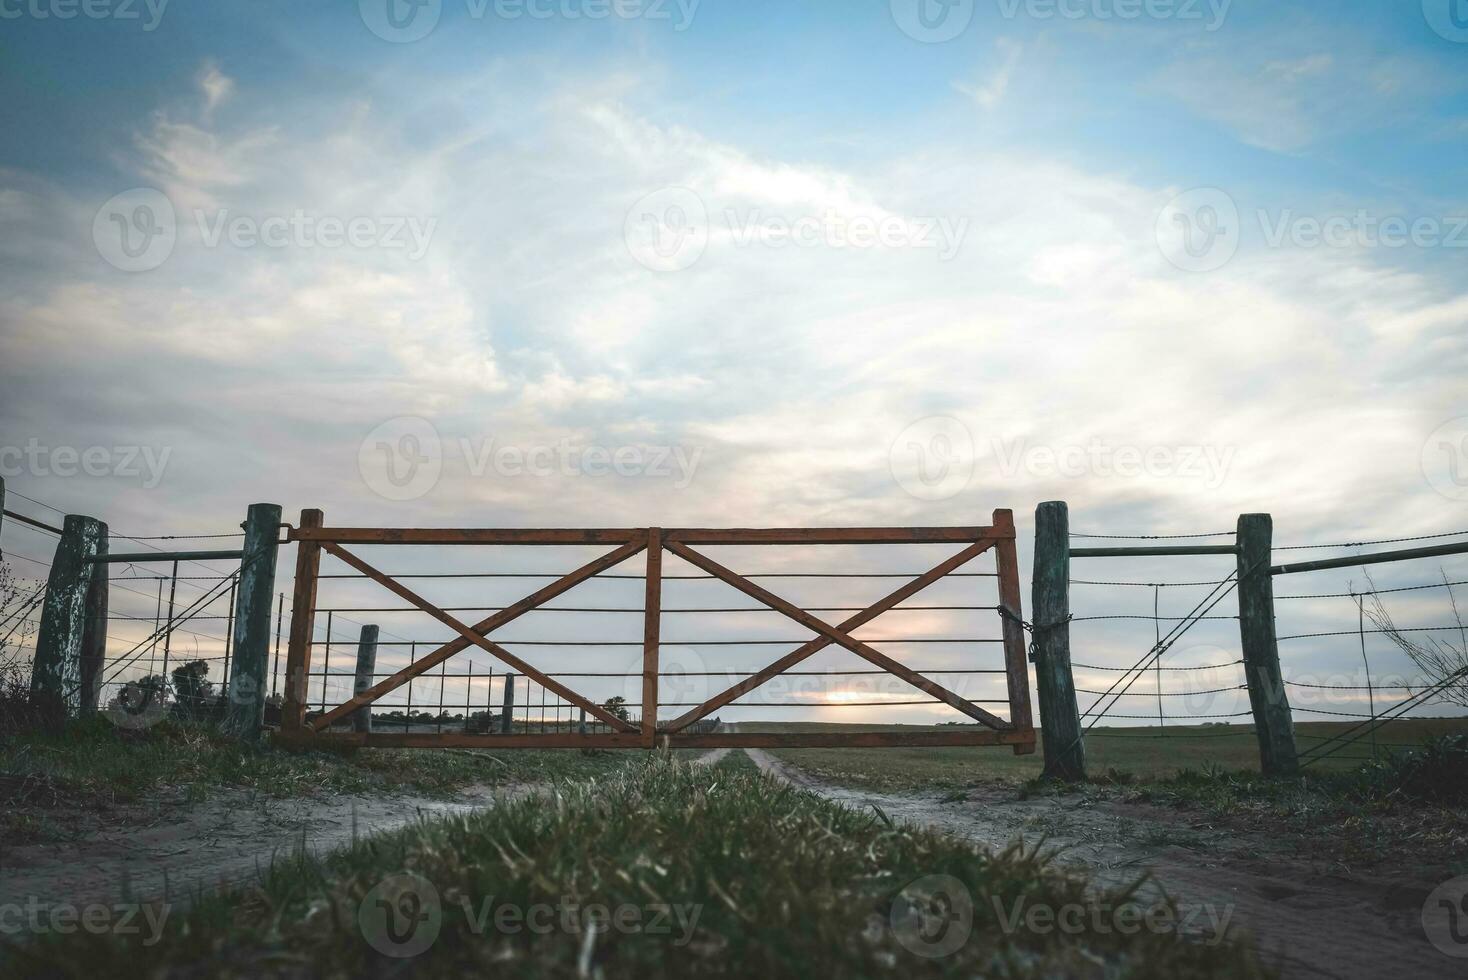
[(245, 709), (1060, 722), (1273, 723), (303, 626), (56, 674), (508, 711), (366, 665), (94, 630)]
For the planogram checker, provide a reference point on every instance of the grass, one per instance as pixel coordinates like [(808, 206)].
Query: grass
[(1346, 812), (1124, 753), (689, 870), (95, 766)]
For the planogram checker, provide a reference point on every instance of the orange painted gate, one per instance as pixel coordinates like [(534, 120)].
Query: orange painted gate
[(315, 540)]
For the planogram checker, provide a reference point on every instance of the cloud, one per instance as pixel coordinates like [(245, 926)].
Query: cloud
[(789, 367), (992, 92)]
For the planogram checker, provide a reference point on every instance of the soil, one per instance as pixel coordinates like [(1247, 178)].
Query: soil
[(1307, 924), (172, 850)]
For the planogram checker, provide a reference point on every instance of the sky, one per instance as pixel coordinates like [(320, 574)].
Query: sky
[(643, 262)]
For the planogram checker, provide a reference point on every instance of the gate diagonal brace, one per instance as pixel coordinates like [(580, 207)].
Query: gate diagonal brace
[(475, 635), (834, 634)]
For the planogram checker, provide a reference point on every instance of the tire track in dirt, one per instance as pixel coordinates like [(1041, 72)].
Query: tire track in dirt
[(173, 854), (1305, 923)]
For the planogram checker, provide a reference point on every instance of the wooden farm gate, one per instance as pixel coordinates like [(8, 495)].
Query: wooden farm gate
[(312, 539)]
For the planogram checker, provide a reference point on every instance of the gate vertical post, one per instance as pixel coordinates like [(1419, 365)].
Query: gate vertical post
[(366, 665), (245, 712), (56, 674), (303, 623), (1273, 723), (1016, 670), (508, 711), (94, 631), (1060, 720), (651, 629)]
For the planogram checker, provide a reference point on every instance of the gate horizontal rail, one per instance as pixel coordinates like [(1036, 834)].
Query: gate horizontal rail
[(313, 539)]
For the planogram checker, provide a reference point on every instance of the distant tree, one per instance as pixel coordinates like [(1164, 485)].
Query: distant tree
[(193, 693), (617, 707)]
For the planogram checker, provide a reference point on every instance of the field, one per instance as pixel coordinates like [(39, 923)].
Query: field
[(1136, 753)]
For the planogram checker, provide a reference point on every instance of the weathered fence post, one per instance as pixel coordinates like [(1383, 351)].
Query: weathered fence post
[(303, 624), (1060, 722), (56, 675), (94, 630), (366, 665), (245, 712), (509, 707), (1272, 720)]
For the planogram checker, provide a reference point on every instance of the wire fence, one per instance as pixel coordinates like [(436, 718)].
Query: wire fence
[(1346, 640)]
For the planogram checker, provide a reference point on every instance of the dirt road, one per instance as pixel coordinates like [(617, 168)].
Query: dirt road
[(176, 850), (1309, 924)]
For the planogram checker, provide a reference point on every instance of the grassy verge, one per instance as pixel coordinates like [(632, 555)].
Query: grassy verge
[(1363, 818), (659, 869), (1121, 753), (97, 767)]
